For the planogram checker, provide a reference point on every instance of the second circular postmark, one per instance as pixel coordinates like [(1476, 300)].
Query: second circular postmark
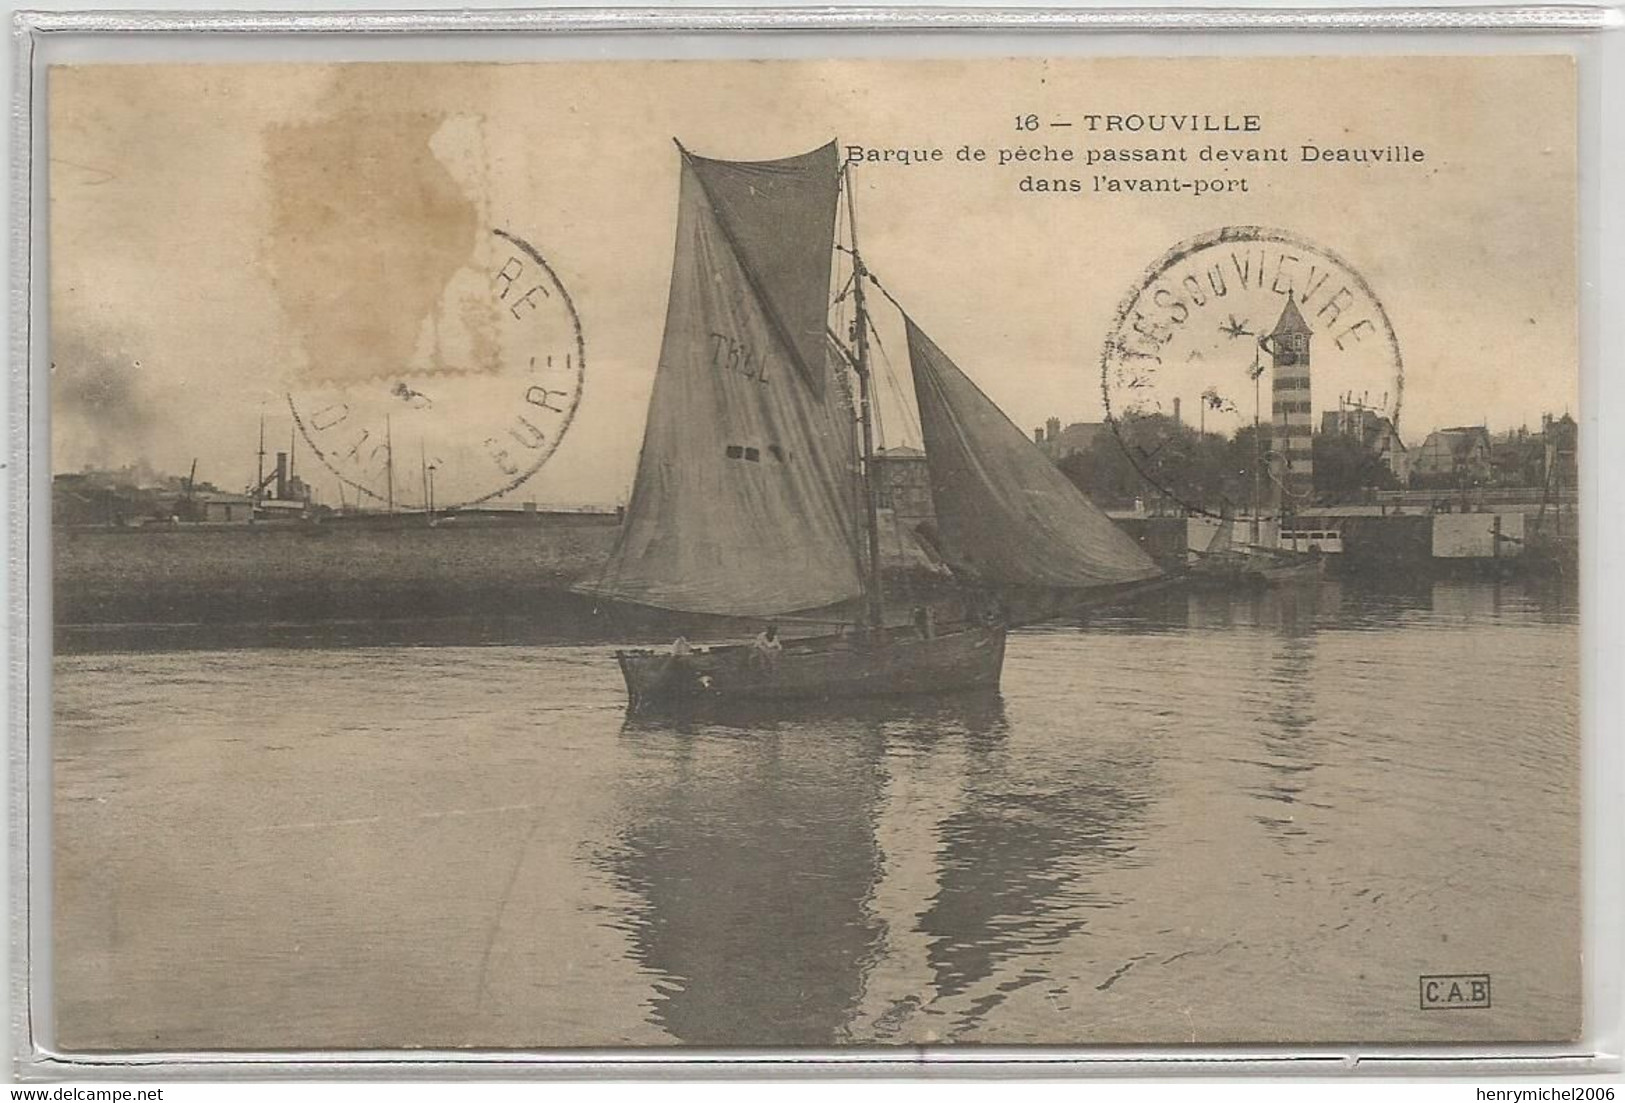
[(1246, 335)]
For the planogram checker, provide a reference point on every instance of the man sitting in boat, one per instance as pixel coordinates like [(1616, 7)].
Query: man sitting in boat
[(995, 612), (925, 621), (678, 666), (765, 647)]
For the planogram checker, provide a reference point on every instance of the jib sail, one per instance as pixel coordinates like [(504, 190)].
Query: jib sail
[(1004, 513)]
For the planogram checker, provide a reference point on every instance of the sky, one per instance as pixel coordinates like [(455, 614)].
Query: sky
[(223, 235)]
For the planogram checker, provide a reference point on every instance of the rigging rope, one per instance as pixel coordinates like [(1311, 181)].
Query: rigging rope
[(911, 420)]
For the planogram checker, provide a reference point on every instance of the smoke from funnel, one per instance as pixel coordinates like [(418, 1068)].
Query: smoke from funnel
[(103, 410)]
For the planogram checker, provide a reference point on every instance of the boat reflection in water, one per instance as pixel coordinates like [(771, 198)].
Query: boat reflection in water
[(809, 880), (1016, 867), (1341, 605)]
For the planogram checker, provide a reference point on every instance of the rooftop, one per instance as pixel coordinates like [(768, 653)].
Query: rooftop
[(1291, 321)]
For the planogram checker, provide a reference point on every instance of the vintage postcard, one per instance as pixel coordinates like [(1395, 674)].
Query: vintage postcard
[(815, 553)]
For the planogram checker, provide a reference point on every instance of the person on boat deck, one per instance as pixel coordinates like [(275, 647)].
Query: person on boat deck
[(925, 621), (766, 646)]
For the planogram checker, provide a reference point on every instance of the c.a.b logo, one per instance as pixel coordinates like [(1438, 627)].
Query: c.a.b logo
[(1455, 991)]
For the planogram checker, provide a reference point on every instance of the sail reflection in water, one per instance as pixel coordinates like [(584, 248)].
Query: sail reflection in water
[(751, 849), (801, 876)]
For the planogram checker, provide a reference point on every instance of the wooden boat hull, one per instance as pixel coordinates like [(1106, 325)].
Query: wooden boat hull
[(1284, 573), (1256, 573), (819, 667)]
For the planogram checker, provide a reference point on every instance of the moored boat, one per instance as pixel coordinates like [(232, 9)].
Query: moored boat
[(1260, 571), (1225, 565)]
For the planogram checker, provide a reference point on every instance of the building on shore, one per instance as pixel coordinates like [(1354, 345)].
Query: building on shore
[(904, 485), (1547, 458), (1372, 431), (219, 507), (1058, 443), (1462, 453)]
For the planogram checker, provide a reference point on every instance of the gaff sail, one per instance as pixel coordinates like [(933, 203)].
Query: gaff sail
[(1004, 513), (742, 504)]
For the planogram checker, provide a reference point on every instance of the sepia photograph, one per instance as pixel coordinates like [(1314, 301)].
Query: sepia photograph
[(822, 552)]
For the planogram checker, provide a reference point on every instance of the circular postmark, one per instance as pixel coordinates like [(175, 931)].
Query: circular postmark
[(484, 401), (1251, 337)]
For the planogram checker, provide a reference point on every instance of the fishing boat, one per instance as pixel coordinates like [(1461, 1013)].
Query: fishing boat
[(755, 497), (1228, 564)]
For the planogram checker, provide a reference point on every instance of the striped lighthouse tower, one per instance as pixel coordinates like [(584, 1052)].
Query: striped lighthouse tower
[(1293, 467)]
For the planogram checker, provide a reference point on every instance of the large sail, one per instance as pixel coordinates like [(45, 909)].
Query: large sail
[(1005, 514), (743, 500)]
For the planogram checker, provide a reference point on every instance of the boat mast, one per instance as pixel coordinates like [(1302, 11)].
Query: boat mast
[(1258, 452), (389, 457), (259, 467), (860, 362)]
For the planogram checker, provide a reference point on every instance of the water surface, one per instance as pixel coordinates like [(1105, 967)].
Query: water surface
[(1202, 818)]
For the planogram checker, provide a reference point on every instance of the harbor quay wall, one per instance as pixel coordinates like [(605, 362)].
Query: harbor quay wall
[(246, 585), (1373, 544), (290, 573), (1379, 545)]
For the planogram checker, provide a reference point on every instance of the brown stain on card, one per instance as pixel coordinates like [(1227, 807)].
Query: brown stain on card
[(367, 230)]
